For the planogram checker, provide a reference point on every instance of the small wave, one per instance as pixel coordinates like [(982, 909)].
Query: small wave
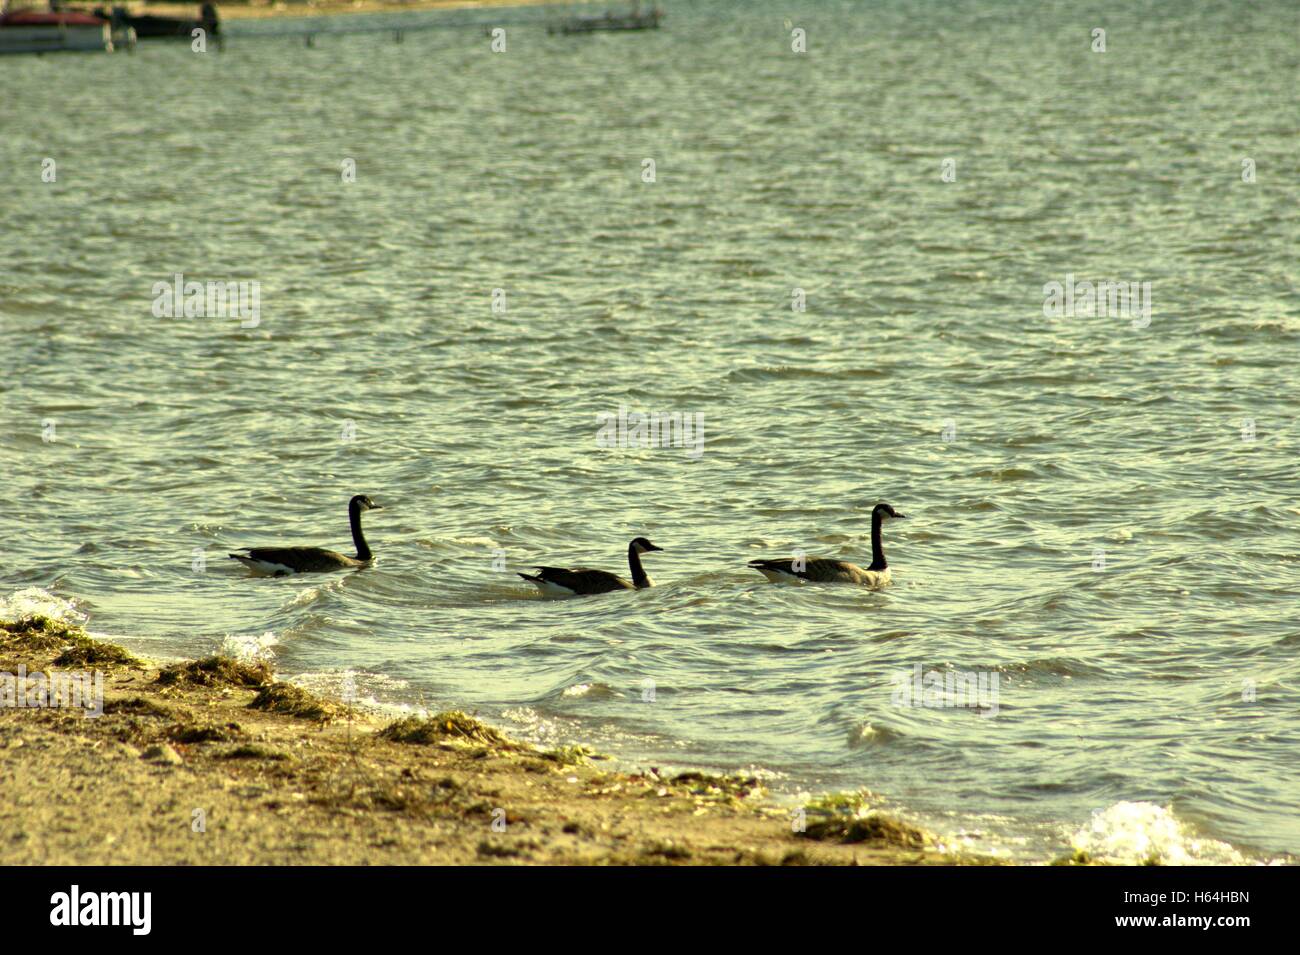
[(596, 691), (375, 692), (250, 648), (35, 602), (304, 598), (1006, 474), (789, 372), (534, 727), (868, 735), (1054, 666), (1141, 832)]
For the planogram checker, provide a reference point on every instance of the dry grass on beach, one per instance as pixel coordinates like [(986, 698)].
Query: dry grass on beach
[(279, 776)]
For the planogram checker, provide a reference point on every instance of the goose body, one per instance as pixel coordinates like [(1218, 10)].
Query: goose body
[(279, 561), (565, 582), (826, 571), (820, 570)]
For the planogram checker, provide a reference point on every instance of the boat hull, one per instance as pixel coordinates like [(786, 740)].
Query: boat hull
[(54, 33), (149, 27)]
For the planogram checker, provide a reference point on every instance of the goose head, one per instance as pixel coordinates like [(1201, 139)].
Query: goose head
[(363, 501), (883, 511), (641, 545)]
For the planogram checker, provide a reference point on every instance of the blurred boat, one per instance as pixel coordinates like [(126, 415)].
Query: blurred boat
[(150, 27), (29, 31), (634, 19)]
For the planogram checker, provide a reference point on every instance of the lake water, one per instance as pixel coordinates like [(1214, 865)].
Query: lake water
[(1103, 506)]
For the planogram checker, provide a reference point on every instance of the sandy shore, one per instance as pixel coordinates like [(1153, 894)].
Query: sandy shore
[(216, 762)]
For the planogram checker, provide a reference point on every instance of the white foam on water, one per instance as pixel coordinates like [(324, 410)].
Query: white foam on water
[(250, 648), (33, 601), (373, 692), (1139, 832), (533, 727)]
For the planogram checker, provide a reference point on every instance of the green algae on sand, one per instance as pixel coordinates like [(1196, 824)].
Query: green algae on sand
[(449, 725), (848, 818), (216, 671), (291, 700), (38, 634)]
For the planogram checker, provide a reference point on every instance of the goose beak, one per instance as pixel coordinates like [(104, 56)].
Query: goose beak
[(376, 507), (653, 547), (899, 517)]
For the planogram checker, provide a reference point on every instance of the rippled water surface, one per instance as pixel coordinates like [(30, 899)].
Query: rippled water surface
[(1103, 509)]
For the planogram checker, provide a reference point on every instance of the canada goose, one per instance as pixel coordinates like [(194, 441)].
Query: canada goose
[(278, 561), (558, 580), (827, 571)]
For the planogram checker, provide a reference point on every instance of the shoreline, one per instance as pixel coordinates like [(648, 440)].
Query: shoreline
[(215, 762)]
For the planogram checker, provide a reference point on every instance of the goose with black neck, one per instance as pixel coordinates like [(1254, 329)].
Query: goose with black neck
[(826, 571), (562, 581), (281, 561)]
